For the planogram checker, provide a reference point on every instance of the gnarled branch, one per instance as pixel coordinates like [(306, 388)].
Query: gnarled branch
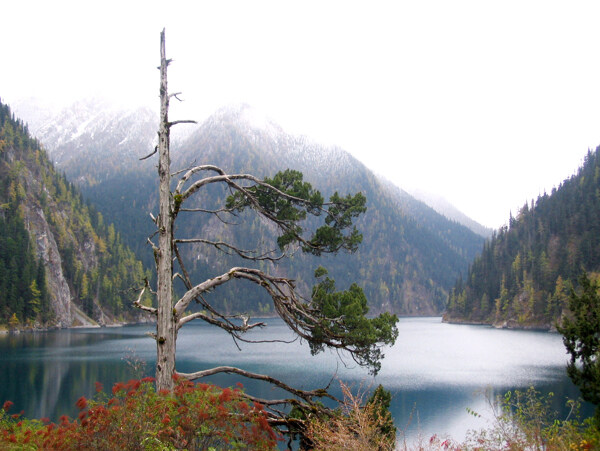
[(229, 327), (306, 395)]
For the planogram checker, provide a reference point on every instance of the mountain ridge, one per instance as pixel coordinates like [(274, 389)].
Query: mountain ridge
[(446, 208), (406, 264), (40, 119)]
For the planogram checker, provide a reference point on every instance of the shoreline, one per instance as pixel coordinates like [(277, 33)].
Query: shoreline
[(19, 330), (507, 324)]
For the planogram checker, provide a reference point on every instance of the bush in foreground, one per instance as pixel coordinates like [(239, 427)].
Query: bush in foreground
[(526, 421), (519, 421), (136, 417), (202, 416), (357, 426)]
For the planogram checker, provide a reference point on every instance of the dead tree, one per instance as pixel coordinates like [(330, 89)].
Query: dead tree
[(328, 319)]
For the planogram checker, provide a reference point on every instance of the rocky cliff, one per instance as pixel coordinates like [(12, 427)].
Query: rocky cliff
[(60, 264)]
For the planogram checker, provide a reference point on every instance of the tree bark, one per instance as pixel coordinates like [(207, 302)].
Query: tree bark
[(165, 323)]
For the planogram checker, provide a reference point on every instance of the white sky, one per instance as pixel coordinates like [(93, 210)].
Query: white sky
[(486, 103)]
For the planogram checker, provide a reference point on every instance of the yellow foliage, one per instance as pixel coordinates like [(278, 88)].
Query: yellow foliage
[(358, 428), (101, 244), (14, 321)]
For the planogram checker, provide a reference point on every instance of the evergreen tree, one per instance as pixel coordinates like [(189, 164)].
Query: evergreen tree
[(329, 319), (90, 250), (580, 336)]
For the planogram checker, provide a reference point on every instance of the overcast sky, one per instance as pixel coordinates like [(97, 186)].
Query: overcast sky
[(486, 103)]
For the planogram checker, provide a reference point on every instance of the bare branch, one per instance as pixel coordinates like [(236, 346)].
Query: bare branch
[(186, 276), (187, 121), (306, 395), (192, 171), (193, 292), (215, 212), (154, 247), (149, 155), (138, 301), (188, 284), (300, 316), (204, 210), (223, 247), (238, 272), (184, 170), (229, 327)]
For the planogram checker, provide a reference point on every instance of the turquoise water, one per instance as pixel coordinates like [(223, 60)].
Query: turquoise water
[(435, 371)]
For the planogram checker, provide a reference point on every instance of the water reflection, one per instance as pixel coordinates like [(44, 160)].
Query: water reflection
[(435, 371), (44, 373)]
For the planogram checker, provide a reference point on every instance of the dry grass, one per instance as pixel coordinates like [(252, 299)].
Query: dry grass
[(358, 427)]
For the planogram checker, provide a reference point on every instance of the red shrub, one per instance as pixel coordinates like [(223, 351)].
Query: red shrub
[(176, 419), (81, 403)]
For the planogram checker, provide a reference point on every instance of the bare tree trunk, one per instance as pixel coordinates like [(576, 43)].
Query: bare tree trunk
[(165, 324)]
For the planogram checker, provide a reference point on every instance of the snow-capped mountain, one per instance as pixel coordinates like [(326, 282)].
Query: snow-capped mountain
[(410, 254), (82, 138)]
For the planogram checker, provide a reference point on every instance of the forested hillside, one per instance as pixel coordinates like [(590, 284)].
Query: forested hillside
[(406, 262), (410, 255), (524, 274), (60, 262)]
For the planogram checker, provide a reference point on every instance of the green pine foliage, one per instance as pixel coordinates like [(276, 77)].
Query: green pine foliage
[(525, 272), (580, 336), (23, 290), (344, 313), (98, 268), (24, 297)]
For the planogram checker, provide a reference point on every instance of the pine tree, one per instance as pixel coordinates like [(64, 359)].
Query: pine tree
[(580, 336)]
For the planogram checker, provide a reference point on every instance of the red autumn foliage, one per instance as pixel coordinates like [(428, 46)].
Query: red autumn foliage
[(225, 395), (81, 403), (193, 416)]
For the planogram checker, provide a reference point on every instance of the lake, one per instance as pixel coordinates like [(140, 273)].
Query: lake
[(435, 371)]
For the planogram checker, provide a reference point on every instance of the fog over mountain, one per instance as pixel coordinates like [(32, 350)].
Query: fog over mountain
[(442, 206), (410, 254)]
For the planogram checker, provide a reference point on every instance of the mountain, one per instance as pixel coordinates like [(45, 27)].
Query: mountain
[(98, 146), (61, 264), (443, 207), (410, 254), (526, 270), (91, 134)]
